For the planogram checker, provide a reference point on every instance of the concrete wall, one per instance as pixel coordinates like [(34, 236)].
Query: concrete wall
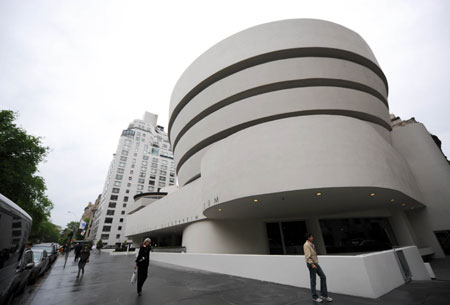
[(219, 236), (176, 209), (368, 276), (432, 173)]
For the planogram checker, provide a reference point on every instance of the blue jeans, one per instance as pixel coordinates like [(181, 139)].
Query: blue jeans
[(323, 281)]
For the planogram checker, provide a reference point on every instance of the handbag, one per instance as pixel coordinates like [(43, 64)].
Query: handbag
[(133, 277)]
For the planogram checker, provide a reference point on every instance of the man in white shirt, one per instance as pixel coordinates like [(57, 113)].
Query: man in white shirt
[(312, 262)]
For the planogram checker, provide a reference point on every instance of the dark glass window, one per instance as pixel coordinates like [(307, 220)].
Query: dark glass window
[(286, 237), (357, 235), (274, 236)]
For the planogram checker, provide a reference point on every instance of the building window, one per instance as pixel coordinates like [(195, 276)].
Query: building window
[(119, 177), (112, 204), (163, 167), (155, 160), (123, 212), (151, 188), (140, 187), (144, 163), (163, 173), (115, 190), (164, 162), (122, 164), (108, 220), (161, 178), (151, 182), (117, 236), (130, 178), (124, 205), (172, 180), (105, 236), (106, 229), (357, 234), (155, 151), (152, 176), (120, 170), (119, 228), (154, 165), (144, 168), (153, 171), (121, 220), (162, 184), (117, 183), (110, 212), (131, 172), (124, 152), (114, 197), (141, 180), (123, 158), (128, 184), (145, 158)]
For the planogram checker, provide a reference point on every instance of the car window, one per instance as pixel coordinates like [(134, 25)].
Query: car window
[(47, 248), (37, 256)]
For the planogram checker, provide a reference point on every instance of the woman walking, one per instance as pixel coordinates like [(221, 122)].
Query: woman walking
[(84, 258), (142, 262)]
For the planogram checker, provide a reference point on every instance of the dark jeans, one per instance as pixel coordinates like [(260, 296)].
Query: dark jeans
[(323, 281), (141, 276)]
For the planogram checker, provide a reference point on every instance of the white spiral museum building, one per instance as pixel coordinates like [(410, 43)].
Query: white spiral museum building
[(283, 129)]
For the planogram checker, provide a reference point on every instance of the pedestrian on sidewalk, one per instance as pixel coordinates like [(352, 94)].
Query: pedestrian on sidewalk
[(312, 262), (84, 258), (77, 250), (142, 262)]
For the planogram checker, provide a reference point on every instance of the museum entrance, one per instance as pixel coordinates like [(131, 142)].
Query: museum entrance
[(286, 237)]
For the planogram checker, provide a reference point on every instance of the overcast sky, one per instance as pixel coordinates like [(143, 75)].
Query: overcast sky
[(78, 72)]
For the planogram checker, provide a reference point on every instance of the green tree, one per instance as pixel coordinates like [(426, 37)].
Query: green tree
[(48, 232), (20, 155), (67, 232)]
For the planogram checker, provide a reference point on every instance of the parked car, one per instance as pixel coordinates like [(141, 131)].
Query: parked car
[(41, 262), (16, 261), (51, 249)]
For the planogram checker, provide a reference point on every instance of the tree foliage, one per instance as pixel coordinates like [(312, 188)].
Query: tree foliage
[(67, 232), (20, 155)]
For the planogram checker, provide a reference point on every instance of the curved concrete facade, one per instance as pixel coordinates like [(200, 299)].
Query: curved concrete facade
[(285, 120), (296, 72)]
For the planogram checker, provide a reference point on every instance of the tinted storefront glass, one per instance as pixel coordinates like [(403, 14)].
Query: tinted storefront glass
[(357, 235)]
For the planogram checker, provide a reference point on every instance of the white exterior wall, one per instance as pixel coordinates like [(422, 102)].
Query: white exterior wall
[(219, 236), (369, 275), (432, 173)]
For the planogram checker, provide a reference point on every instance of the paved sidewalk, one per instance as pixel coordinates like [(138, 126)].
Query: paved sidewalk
[(106, 281)]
